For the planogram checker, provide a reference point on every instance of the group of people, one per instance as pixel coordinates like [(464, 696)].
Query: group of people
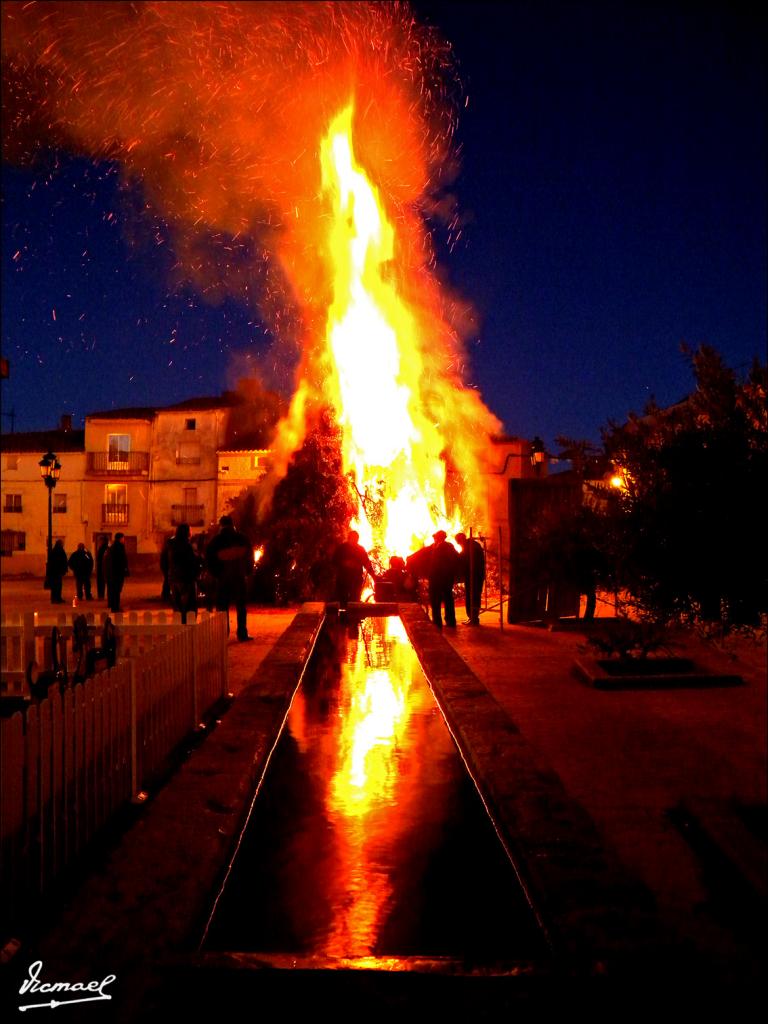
[(111, 565), (228, 561), (439, 563)]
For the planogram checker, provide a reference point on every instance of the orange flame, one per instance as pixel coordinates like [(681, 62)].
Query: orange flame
[(224, 140), (392, 446)]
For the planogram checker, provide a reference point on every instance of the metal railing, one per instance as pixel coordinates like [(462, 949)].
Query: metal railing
[(124, 464), (192, 514), (115, 515)]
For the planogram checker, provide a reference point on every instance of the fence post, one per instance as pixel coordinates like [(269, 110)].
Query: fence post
[(194, 641), (134, 732), (28, 652), (224, 661), (501, 584)]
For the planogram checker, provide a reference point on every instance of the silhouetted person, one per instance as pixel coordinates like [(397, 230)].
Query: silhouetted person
[(115, 571), (56, 571), (444, 567), (81, 564), (229, 558), (403, 584), (351, 562), (101, 580), (473, 567), (183, 569), (165, 593)]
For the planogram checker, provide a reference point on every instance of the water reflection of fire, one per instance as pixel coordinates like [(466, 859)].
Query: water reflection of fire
[(368, 784)]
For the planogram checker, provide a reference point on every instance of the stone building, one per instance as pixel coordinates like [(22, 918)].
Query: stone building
[(138, 471), (142, 471)]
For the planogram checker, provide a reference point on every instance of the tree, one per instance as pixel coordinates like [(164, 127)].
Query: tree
[(309, 516), (566, 550), (684, 533)]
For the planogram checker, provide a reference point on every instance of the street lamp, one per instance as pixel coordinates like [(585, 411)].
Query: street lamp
[(538, 453), (50, 471)]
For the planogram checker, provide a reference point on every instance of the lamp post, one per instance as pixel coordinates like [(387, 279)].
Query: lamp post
[(50, 471), (538, 453)]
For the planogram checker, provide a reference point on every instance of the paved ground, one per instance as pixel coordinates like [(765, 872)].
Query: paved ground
[(673, 781)]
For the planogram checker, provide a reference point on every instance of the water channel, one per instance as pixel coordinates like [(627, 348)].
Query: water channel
[(368, 837)]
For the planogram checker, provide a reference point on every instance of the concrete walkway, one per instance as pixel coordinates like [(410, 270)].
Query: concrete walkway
[(633, 808), (650, 767)]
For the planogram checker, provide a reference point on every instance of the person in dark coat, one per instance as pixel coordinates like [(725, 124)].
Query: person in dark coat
[(444, 568), (165, 554), (229, 559), (81, 564), (402, 584), (56, 570), (115, 571), (183, 570), (351, 562), (473, 567), (101, 581)]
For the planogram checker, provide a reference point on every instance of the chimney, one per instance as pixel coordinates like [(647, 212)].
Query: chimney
[(66, 422)]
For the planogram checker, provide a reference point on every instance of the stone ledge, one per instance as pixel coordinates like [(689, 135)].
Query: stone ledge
[(648, 674), (594, 912)]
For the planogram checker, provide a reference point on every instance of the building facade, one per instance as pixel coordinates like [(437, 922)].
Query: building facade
[(142, 471), (138, 471)]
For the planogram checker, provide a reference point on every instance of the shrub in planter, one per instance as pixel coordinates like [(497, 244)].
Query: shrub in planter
[(628, 639)]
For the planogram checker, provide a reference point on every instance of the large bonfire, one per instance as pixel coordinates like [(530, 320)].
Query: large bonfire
[(298, 154)]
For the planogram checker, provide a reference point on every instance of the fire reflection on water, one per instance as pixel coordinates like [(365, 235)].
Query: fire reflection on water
[(371, 763)]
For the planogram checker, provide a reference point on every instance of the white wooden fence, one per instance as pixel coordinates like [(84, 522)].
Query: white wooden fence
[(25, 637), (70, 761)]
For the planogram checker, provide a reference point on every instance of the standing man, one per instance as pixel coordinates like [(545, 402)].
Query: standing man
[(57, 570), (473, 565), (183, 570), (444, 567), (351, 561), (115, 571), (229, 558), (165, 555), (81, 564), (101, 552)]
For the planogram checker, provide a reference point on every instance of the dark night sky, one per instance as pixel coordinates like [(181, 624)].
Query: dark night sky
[(613, 188)]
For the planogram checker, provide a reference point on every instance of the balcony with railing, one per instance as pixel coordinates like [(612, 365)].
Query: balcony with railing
[(115, 515), (192, 514), (120, 464)]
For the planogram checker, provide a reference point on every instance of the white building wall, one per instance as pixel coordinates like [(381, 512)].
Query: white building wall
[(21, 476)]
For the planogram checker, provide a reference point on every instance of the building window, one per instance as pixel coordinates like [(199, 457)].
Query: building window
[(12, 540), (11, 461), (190, 424), (116, 494), (59, 502), (115, 510), (12, 503), (188, 455), (190, 512), (118, 448)]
